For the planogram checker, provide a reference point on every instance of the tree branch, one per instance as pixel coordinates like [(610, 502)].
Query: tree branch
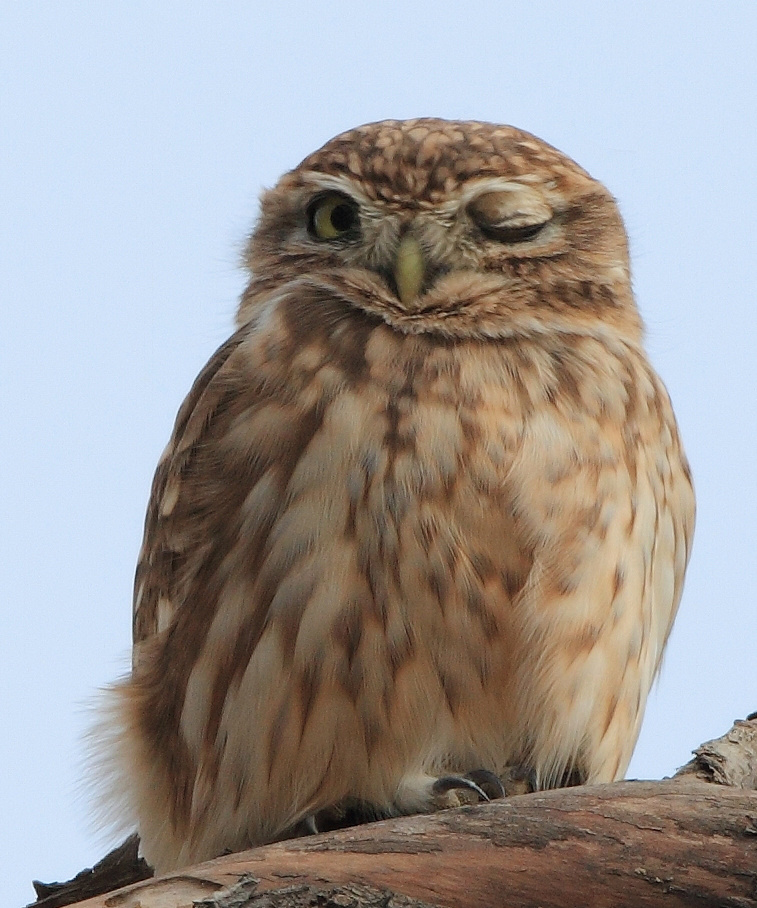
[(730, 760), (689, 840)]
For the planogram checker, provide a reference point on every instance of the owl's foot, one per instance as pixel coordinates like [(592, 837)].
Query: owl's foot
[(520, 779), (523, 779), (340, 816), (479, 785), (490, 782), (475, 786)]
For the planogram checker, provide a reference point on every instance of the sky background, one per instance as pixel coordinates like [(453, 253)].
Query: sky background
[(134, 141)]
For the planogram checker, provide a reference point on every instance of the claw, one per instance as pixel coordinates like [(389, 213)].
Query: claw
[(489, 782), (310, 824), (457, 783)]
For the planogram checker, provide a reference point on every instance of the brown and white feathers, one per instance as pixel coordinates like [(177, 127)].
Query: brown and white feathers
[(425, 511)]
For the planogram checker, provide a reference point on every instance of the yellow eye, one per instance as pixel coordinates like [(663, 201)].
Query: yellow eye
[(332, 216)]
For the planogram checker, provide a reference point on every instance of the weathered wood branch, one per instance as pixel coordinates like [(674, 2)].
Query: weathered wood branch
[(730, 760), (690, 840), (118, 868)]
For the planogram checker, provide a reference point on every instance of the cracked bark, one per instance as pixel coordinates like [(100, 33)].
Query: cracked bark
[(690, 840)]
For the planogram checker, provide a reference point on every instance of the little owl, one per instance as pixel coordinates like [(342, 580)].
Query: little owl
[(423, 517)]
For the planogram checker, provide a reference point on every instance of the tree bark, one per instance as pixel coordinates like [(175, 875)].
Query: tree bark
[(690, 840)]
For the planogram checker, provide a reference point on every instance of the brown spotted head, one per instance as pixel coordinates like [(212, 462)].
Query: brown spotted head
[(464, 229)]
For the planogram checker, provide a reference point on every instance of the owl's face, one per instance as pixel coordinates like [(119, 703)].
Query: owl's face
[(459, 228)]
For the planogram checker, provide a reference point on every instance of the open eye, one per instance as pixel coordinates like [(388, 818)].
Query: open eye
[(333, 216), (515, 216)]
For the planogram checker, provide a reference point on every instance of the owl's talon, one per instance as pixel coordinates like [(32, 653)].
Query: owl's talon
[(445, 784), (488, 782), (311, 825)]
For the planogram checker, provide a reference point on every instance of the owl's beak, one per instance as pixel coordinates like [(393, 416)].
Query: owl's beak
[(409, 269)]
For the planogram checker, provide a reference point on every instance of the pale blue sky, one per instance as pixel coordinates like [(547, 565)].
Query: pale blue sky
[(135, 138)]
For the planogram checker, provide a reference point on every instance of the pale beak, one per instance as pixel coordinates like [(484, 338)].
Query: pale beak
[(409, 269)]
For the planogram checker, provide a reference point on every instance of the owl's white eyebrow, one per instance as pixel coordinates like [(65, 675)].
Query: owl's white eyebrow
[(338, 183), (474, 188)]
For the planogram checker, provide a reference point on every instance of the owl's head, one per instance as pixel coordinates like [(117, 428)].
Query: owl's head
[(464, 229)]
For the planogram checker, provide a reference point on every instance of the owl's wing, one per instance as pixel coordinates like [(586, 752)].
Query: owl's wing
[(162, 550), (218, 486)]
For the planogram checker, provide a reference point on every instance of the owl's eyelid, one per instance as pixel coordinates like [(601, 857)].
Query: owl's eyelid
[(521, 219), (513, 235), (509, 206), (517, 227)]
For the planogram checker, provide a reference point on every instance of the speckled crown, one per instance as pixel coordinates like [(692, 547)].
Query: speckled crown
[(429, 158)]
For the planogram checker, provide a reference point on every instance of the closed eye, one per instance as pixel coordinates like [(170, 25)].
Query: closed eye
[(505, 233), (510, 216)]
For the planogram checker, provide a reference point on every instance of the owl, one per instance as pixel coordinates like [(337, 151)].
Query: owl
[(423, 517)]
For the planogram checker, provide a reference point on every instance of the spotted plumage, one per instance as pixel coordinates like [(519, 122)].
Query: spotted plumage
[(425, 512)]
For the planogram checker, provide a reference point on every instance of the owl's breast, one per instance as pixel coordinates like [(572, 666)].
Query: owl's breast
[(519, 519)]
